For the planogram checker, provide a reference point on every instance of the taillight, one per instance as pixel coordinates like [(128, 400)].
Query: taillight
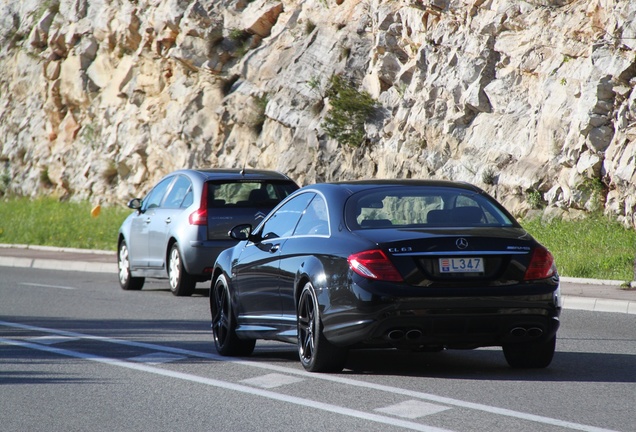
[(200, 216), (374, 264), (541, 265)]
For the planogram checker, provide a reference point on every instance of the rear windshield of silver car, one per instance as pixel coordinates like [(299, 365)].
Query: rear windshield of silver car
[(423, 207), (253, 193)]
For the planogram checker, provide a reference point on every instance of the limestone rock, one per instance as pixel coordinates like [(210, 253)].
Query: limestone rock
[(99, 99)]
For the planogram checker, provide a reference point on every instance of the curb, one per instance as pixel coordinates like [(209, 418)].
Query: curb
[(573, 302), (52, 264), (57, 249)]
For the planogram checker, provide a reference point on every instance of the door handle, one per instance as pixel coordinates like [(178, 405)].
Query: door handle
[(147, 220), (168, 220), (274, 248)]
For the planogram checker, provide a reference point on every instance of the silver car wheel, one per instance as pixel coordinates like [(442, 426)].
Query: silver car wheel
[(181, 282), (124, 265), (127, 281), (174, 271)]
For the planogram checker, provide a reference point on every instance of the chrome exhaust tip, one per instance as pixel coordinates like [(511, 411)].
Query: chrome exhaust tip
[(395, 335), (518, 332), (413, 334)]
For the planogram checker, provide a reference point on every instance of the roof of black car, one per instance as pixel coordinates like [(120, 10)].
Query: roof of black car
[(356, 185)]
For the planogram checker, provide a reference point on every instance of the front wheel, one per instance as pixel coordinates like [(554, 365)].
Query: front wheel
[(126, 280), (533, 355), (181, 282), (316, 353), (224, 322)]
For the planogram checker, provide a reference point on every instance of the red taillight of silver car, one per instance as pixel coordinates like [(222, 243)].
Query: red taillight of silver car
[(200, 215)]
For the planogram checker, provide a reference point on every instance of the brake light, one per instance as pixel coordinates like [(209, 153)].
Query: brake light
[(200, 216), (374, 264), (541, 265)]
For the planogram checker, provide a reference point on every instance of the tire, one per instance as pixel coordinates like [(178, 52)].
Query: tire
[(126, 280), (535, 355), (224, 322), (316, 353), (181, 282)]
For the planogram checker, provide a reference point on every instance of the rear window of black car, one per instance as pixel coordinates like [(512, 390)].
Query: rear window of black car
[(423, 207), (253, 193)]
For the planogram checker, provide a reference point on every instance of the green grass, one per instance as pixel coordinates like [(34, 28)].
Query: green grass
[(596, 247), (49, 222)]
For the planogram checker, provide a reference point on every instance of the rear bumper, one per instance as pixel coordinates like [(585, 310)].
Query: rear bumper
[(199, 256), (457, 322)]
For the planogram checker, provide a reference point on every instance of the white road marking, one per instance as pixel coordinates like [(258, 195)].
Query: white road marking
[(157, 358), (412, 409), (326, 377), (272, 380), (335, 409), (47, 286), (50, 340)]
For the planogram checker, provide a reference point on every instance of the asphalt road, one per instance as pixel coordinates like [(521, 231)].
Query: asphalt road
[(581, 294), (77, 353)]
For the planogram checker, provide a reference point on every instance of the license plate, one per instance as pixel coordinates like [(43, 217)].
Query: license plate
[(461, 265)]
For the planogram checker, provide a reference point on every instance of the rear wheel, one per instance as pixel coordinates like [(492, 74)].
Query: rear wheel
[(316, 353), (533, 355), (181, 282), (224, 322), (126, 280)]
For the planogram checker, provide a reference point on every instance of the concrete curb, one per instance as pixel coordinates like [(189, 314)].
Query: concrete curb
[(56, 249), (51, 264), (569, 301), (599, 305)]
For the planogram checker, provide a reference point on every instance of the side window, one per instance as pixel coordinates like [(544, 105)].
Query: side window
[(188, 200), (154, 198), (282, 222), (178, 192), (314, 220)]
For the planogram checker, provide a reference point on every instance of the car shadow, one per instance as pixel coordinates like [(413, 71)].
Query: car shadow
[(490, 364), (479, 364)]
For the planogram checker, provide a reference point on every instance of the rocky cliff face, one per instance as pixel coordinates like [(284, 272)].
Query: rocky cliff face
[(532, 100)]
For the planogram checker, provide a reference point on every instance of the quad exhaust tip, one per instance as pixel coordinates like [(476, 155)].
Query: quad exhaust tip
[(531, 332), (409, 334)]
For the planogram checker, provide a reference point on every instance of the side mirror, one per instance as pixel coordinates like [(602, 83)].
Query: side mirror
[(241, 232), (134, 203)]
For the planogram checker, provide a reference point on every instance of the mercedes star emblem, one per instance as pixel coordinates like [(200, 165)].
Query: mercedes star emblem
[(461, 243)]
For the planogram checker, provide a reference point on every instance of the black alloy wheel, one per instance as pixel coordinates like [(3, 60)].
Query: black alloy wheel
[(533, 355), (316, 353), (224, 323), (126, 280), (181, 282)]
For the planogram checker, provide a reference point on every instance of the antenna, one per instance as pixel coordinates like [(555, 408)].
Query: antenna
[(244, 163)]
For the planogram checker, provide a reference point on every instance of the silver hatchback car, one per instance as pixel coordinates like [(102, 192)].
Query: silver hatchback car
[(181, 226)]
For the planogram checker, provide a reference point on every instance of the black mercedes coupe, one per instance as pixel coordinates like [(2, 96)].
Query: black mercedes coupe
[(408, 264)]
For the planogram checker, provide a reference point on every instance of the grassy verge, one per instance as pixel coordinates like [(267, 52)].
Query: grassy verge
[(48, 222), (595, 247)]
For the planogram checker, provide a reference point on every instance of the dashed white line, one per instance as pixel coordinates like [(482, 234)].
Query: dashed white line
[(50, 340), (325, 377), (412, 409), (229, 386), (47, 286), (272, 380)]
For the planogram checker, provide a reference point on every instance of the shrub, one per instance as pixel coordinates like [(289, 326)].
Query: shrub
[(349, 110)]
